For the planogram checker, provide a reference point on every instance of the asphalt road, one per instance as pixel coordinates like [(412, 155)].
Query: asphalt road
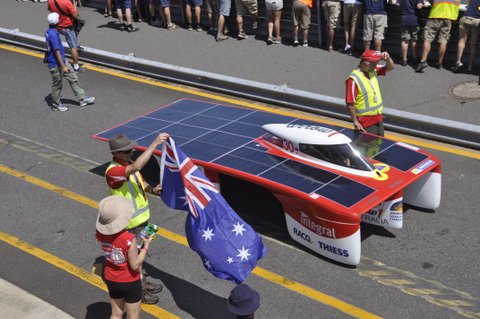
[(428, 269)]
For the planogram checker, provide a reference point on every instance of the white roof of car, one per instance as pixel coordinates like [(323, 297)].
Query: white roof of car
[(307, 134)]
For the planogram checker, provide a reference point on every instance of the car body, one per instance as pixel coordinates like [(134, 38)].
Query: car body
[(328, 179)]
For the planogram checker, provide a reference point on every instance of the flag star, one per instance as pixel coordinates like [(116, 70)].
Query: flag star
[(185, 200), (230, 260), (207, 264), (208, 234), (238, 229), (243, 253)]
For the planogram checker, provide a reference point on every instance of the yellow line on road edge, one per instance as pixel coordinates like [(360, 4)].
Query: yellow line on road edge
[(76, 271), (413, 141), (82, 274)]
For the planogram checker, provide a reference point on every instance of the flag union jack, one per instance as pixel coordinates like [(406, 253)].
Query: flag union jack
[(228, 247)]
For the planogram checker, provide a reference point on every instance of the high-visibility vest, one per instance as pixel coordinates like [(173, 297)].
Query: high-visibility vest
[(369, 99), (445, 9), (132, 191)]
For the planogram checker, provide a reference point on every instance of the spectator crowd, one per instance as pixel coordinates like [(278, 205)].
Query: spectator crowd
[(370, 16)]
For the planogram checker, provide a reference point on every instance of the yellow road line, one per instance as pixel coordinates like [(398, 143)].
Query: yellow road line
[(76, 271), (263, 273), (413, 141)]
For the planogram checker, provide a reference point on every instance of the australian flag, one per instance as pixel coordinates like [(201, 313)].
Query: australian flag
[(228, 246)]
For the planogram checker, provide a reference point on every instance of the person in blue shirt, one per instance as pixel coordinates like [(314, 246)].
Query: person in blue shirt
[(59, 68), (410, 27), (375, 21)]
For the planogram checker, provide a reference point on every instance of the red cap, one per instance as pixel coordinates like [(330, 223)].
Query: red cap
[(371, 55)]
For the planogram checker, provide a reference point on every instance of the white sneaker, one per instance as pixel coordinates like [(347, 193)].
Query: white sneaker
[(60, 107), (87, 100)]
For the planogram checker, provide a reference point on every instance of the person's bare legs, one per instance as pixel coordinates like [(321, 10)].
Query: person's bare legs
[(188, 14), (240, 23), (118, 307), (346, 33), (198, 18), (277, 14), (442, 48), (427, 46), (473, 48), (166, 16), (378, 45), (366, 45), (133, 310), (404, 47)]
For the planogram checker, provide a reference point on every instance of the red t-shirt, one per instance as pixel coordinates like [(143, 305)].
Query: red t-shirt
[(68, 7), (351, 94), (115, 248)]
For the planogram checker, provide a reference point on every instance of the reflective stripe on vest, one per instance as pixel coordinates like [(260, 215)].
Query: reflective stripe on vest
[(446, 9), (365, 103), (130, 189)]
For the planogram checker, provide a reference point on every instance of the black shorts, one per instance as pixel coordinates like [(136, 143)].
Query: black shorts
[(130, 291)]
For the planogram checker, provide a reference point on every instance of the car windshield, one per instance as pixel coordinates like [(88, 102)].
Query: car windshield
[(343, 155)]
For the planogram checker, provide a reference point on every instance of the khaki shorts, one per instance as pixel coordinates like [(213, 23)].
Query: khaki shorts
[(352, 14), (332, 12), (211, 6), (469, 23), (301, 15), (374, 26), (409, 32), (440, 27), (246, 7)]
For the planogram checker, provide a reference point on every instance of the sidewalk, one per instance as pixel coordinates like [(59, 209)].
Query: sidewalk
[(17, 303)]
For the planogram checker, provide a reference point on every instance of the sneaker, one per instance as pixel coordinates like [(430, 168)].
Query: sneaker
[(221, 37), (80, 69), (254, 25), (270, 40), (172, 26), (156, 23), (277, 40), (403, 62), (122, 27), (190, 27), (458, 65), (198, 28), (421, 66), (148, 298), (87, 100), (131, 28), (242, 35), (151, 287), (305, 44), (60, 108), (295, 43), (438, 66)]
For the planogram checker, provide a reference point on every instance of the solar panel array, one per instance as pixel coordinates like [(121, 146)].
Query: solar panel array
[(224, 135)]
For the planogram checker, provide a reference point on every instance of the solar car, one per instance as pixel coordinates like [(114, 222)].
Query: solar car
[(328, 179)]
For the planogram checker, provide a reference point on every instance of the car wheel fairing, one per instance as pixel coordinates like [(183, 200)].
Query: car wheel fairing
[(425, 192)]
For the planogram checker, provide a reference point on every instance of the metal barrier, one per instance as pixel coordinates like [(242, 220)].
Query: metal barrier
[(457, 133)]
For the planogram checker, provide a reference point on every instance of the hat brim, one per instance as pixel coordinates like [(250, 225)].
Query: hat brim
[(128, 147), (248, 309), (372, 59), (119, 224)]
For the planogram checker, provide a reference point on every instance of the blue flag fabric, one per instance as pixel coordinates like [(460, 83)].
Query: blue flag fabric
[(228, 246)]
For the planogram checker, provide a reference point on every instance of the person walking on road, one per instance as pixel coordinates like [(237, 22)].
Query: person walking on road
[(243, 302), (124, 179), (122, 259), (67, 10), (363, 97), (59, 67)]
